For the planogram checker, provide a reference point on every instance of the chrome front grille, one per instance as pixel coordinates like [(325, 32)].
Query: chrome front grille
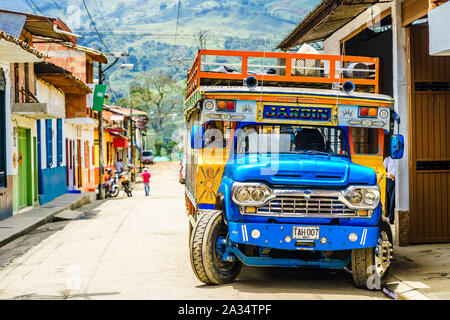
[(300, 206)]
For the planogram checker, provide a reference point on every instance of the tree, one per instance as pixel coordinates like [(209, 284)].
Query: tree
[(157, 94), (170, 146)]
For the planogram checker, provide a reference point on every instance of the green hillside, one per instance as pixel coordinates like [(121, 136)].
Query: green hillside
[(166, 34)]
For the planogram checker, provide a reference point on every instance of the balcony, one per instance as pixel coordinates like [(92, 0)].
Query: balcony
[(26, 104)]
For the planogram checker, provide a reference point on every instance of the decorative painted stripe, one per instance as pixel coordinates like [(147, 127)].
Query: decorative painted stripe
[(341, 97), (244, 233), (363, 237)]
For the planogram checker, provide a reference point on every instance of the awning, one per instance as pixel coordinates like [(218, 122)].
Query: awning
[(61, 78), (14, 50), (120, 142), (325, 19), (126, 111), (116, 118)]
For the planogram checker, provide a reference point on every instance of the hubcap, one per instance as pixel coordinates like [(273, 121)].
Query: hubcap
[(383, 253)]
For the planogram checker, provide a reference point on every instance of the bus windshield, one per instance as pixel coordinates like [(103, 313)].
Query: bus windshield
[(291, 139)]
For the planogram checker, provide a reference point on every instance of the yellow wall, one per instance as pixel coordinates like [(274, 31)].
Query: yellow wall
[(376, 163), (109, 163)]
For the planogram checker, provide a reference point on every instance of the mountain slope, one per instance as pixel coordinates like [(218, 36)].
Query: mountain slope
[(165, 35)]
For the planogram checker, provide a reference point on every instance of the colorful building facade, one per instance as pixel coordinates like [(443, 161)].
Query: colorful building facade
[(79, 123)]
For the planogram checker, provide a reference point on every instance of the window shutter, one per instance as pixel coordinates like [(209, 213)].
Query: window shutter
[(59, 142), (2, 130), (49, 142)]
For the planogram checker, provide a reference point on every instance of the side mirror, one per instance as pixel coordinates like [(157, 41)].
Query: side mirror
[(397, 146), (197, 135)]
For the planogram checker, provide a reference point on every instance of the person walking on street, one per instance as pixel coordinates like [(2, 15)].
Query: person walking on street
[(119, 166), (146, 179), (390, 187)]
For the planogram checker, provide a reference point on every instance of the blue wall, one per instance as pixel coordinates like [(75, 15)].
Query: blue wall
[(54, 183), (6, 203)]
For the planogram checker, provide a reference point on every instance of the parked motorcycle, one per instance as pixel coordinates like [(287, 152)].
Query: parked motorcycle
[(125, 183), (111, 186)]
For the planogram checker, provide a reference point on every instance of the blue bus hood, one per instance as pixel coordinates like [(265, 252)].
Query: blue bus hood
[(299, 169)]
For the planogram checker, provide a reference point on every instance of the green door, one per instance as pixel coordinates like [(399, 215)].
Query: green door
[(25, 197)]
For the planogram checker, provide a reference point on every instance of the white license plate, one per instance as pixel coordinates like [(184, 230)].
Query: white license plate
[(305, 233)]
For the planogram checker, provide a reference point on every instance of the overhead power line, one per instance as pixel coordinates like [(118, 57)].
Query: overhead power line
[(106, 21), (31, 7), (37, 8), (95, 27), (59, 9)]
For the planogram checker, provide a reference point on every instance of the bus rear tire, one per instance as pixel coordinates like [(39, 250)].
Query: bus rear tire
[(206, 263), (371, 266)]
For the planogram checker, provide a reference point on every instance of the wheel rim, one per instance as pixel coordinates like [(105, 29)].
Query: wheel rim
[(383, 253)]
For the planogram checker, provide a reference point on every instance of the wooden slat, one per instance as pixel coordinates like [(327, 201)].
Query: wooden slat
[(413, 10), (429, 131)]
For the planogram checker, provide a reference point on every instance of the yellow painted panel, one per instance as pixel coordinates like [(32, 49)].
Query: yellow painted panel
[(210, 168), (376, 163)]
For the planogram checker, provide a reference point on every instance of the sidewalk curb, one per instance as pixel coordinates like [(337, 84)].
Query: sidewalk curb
[(18, 225), (401, 290)]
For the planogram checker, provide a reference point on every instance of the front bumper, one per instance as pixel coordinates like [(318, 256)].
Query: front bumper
[(273, 235)]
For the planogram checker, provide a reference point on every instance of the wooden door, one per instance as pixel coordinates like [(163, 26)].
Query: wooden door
[(429, 143), (67, 163), (70, 156), (24, 178), (79, 165)]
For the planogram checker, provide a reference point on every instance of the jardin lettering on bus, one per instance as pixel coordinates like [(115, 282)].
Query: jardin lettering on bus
[(296, 113)]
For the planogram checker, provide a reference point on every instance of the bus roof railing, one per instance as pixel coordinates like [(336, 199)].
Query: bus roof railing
[(230, 68)]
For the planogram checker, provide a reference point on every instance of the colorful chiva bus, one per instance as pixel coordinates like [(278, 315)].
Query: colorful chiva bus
[(284, 164)]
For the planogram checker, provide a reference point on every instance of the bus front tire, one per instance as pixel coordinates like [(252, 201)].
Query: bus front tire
[(371, 266), (206, 263)]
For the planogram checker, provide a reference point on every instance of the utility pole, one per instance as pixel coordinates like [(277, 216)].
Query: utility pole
[(101, 166), (133, 174)]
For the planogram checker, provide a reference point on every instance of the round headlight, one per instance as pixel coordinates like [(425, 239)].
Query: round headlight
[(356, 197), (257, 194), (370, 197), (243, 194)]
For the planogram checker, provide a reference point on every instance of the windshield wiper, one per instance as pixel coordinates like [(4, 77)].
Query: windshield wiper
[(317, 152)]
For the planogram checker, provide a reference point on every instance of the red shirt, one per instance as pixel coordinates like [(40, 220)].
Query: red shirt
[(146, 177)]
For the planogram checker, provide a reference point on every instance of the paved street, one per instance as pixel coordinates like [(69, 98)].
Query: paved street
[(137, 248)]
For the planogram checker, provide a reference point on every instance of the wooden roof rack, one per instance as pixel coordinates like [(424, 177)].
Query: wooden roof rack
[(229, 68)]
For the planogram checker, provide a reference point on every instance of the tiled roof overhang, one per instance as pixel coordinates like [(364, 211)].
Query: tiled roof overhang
[(95, 55), (324, 20), (61, 78), (14, 50)]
